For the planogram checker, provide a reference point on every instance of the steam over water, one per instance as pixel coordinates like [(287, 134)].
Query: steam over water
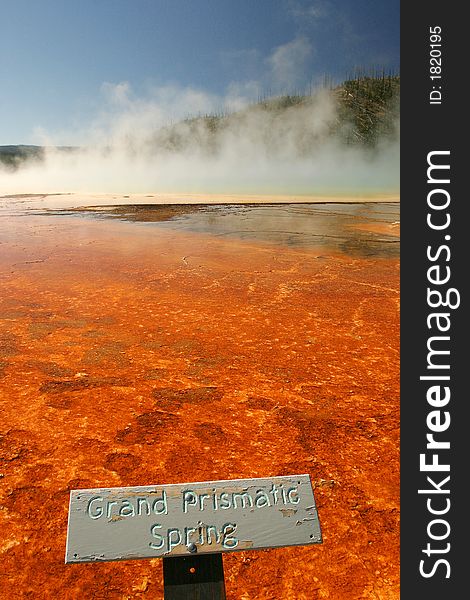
[(143, 147)]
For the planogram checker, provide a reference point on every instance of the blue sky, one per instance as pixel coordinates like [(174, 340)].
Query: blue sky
[(66, 63)]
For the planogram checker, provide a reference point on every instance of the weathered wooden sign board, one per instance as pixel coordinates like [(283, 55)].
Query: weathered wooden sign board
[(181, 519)]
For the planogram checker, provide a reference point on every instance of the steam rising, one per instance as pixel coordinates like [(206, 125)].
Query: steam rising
[(149, 145)]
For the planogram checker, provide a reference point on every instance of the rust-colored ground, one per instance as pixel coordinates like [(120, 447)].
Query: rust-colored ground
[(135, 356)]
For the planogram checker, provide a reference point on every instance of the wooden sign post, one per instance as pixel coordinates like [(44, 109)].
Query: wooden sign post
[(189, 525), (196, 577)]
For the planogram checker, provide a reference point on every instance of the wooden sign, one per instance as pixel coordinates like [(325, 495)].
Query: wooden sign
[(183, 519)]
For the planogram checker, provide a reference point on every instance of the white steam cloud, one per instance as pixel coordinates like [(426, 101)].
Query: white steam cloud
[(149, 145)]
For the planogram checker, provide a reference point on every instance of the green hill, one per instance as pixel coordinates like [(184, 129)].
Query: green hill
[(361, 111)]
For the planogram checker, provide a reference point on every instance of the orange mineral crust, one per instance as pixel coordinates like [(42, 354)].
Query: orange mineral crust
[(132, 355)]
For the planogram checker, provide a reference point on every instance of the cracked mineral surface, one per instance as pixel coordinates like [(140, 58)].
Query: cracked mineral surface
[(136, 354)]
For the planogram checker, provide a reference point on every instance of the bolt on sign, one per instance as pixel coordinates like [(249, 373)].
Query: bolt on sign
[(181, 519)]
